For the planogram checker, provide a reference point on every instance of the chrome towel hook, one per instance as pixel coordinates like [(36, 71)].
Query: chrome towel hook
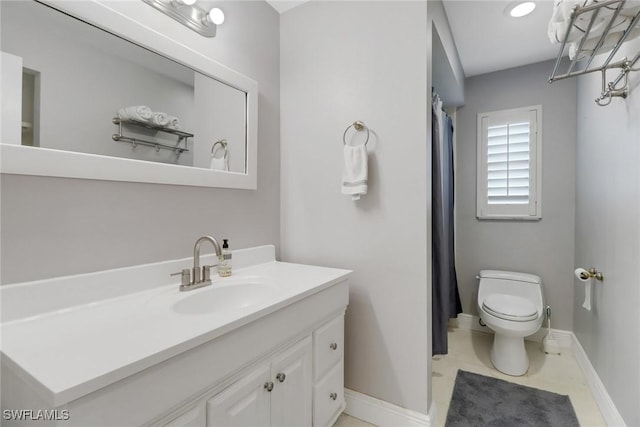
[(358, 126), (225, 146)]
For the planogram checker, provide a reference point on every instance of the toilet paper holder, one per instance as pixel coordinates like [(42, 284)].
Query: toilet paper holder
[(591, 273)]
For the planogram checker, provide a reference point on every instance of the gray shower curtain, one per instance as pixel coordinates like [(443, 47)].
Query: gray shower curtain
[(446, 299)]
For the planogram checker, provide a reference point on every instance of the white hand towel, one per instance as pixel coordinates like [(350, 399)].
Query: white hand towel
[(141, 113), (219, 164), (160, 119), (355, 170), (559, 22)]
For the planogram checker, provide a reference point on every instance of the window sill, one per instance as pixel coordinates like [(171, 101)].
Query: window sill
[(508, 218)]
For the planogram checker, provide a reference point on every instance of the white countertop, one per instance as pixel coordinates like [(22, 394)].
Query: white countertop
[(68, 353)]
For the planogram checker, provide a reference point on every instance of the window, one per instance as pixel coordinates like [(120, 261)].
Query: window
[(509, 169)]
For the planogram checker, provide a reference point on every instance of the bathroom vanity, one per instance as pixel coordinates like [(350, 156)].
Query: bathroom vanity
[(125, 347)]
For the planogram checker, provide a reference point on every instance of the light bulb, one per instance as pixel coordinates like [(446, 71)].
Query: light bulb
[(522, 9), (215, 16), (178, 3)]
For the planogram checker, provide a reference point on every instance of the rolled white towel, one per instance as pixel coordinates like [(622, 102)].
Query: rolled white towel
[(141, 113), (160, 119), (174, 123)]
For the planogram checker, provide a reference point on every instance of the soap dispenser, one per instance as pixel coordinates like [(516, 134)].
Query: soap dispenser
[(224, 269)]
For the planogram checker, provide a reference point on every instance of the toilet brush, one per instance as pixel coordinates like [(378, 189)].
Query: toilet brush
[(549, 343)]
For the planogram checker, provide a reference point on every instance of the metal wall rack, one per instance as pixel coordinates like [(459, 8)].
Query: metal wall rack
[(182, 136), (580, 65)]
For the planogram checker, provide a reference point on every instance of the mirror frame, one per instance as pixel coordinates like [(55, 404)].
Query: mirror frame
[(22, 160)]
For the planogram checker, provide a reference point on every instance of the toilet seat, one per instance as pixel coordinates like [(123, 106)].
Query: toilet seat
[(510, 307)]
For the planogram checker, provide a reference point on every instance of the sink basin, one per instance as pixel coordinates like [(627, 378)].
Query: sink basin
[(219, 298)]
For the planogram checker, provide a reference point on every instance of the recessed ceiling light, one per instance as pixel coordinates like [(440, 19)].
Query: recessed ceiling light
[(520, 9)]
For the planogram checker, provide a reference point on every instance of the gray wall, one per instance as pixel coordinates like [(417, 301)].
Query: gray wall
[(448, 75), (544, 247), (341, 62), (54, 226), (608, 237)]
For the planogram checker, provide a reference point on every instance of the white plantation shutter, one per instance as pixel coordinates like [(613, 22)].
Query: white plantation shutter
[(508, 164)]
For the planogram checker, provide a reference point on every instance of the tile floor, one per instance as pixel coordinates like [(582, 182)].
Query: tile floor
[(346, 421), (469, 351)]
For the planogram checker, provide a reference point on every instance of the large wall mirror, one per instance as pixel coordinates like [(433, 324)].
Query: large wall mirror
[(90, 93)]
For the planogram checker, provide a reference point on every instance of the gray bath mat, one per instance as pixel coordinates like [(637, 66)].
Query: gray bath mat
[(484, 401)]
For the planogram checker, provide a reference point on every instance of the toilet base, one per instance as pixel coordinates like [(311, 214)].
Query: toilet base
[(509, 355)]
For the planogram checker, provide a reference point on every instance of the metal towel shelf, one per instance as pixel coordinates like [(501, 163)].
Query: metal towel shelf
[(613, 88), (182, 136)]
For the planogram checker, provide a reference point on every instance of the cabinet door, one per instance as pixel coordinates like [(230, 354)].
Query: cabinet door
[(242, 404), (291, 372), (194, 417)]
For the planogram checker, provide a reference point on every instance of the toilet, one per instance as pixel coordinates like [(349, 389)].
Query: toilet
[(510, 304)]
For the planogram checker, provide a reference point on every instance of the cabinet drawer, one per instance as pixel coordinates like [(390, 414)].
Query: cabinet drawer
[(328, 396), (328, 343)]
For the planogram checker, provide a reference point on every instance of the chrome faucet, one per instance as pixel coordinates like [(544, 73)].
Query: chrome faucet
[(198, 277), (206, 276)]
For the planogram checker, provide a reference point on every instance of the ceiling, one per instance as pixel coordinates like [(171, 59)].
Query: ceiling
[(283, 5), (488, 39)]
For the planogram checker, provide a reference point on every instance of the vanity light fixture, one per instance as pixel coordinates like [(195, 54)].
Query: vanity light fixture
[(187, 12), (520, 9)]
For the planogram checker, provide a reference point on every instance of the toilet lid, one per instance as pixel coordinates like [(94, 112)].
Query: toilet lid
[(510, 307)]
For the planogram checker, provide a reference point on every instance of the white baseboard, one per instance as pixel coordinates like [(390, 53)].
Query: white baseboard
[(433, 413), (467, 321), (384, 414), (607, 407)]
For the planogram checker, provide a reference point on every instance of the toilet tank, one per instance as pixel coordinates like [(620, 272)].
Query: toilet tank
[(511, 283)]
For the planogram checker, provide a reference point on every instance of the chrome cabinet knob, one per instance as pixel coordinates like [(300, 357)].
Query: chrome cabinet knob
[(268, 385), (333, 346), (333, 396), (281, 377)]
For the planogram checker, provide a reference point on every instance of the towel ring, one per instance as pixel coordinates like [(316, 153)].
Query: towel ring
[(359, 126), (224, 144)]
